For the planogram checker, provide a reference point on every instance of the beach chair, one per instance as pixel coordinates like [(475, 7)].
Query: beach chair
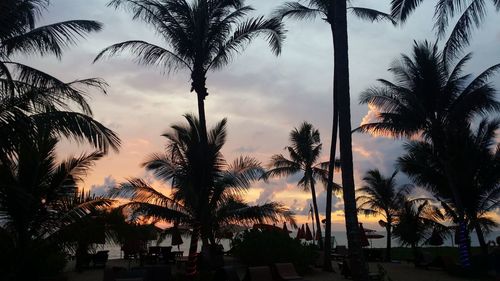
[(340, 253), (166, 253), (158, 273), (259, 273), (286, 271), (226, 273), (100, 259), (346, 271)]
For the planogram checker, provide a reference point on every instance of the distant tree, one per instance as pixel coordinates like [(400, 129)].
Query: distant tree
[(415, 223), (381, 196), (475, 166), (305, 152)]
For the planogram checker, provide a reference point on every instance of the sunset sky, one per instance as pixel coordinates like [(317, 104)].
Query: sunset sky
[(263, 96)]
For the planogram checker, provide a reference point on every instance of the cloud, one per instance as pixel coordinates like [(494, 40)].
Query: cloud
[(263, 96), (105, 187)]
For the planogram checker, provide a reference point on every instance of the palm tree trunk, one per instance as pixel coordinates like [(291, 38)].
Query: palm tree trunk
[(191, 267), (327, 263), (341, 72), (316, 215), (480, 238), (199, 86), (439, 140), (388, 248)]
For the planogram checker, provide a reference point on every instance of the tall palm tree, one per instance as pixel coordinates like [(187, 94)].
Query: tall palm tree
[(475, 166), (415, 223), (222, 204), (33, 191), (432, 98), (471, 15), (335, 14), (382, 197), (29, 96), (305, 152), (200, 36)]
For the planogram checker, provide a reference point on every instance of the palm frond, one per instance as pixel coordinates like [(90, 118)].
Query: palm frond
[(371, 15), (50, 39), (146, 54)]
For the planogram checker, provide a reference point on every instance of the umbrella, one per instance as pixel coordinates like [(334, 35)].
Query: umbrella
[(285, 229), (317, 236), (301, 234), (176, 236), (264, 226), (308, 235), (363, 239)]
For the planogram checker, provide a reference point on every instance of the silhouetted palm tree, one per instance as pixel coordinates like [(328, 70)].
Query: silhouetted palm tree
[(475, 166), (304, 151), (471, 15), (200, 36), (416, 221), (33, 192), (381, 196), (431, 98), (335, 14), (29, 97), (180, 165)]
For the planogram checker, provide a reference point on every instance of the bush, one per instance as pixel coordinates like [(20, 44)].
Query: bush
[(34, 261), (256, 247)]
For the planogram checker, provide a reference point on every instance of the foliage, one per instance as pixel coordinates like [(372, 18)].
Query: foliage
[(199, 35), (416, 221), (429, 96), (38, 203), (256, 247), (31, 98), (471, 15), (475, 166)]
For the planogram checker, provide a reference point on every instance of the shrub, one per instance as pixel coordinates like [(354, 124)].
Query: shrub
[(256, 247)]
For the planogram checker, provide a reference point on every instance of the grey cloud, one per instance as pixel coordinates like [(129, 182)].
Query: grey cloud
[(105, 187)]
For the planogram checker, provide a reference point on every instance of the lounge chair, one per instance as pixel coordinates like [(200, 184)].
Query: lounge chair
[(345, 270), (286, 271), (158, 273), (100, 259), (340, 253), (259, 273), (226, 273)]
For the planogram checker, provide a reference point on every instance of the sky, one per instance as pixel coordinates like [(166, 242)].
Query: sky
[(263, 96)]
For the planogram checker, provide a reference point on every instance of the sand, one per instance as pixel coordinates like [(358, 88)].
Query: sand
[(396, 271)]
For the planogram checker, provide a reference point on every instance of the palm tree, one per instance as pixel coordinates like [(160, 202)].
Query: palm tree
[(415, 223), (304, 151), (382, 197), (432, 98), (200, 36), (471, 15), (475, 166), (33, 192), (29, 96), (222, 204), (335, 14)]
